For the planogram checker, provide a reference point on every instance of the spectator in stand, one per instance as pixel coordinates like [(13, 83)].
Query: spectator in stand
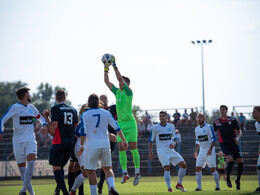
[(141, 129), (149, 127), (185, 118), (242, 122), (169, 118), (233, 115), (193, 118), (177, 117), (147, 119)]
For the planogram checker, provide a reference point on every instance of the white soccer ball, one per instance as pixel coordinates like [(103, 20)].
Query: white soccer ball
[(106, 59)]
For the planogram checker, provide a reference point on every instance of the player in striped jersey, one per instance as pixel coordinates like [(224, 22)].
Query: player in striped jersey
[(205, 140), (24, 143)]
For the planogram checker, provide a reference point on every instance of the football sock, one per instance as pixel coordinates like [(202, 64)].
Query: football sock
[(27, 185), (123, 160), (215, 176), (71, 179), (93, 189), (22, 171), (181, 174), (136, 159), (81, 188), (78, 182), (229, 168), (239, 170), (102, 177), (111, 182), (198, 179), (59, 177), (258, 176), (167, 178)]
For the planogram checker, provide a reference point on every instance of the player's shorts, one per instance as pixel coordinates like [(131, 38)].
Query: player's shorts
[(21, 150), (129, 129), (73, 157), (93, 156), (80, 158), (221, 171), (171, 156), (258, 162), (230, 149), (60, 154), (204, 159)]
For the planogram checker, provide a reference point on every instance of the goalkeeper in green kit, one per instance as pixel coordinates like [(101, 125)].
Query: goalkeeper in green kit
[(125, 117)]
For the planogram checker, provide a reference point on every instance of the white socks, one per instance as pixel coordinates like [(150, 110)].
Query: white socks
[(110, 182), (216, 178), (93, 189), (79, 180), (181, 174), (258, 176), (137, 170), (198, 179), (167, 178), (27, 177)]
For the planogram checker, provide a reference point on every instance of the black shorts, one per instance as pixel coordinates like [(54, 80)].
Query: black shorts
[(60, 154), (221, 171), (112, 146), (73, 157), (230, 149)]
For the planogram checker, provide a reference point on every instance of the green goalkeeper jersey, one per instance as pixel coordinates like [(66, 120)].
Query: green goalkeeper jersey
[(123, 103)]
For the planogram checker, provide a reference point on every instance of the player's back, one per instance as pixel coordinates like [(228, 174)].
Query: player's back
[(95, 123), (66, 116)]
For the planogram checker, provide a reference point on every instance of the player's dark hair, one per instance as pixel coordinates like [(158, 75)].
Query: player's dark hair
[(163, 112), (21, 92), (126, 79), (93, 101), (223, 106), (60, 95), (257, 108)]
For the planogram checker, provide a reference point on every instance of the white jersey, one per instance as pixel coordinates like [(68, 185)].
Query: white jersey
[(257, 126), (23, 118), (205, 136), (164, 136), (95, 123)]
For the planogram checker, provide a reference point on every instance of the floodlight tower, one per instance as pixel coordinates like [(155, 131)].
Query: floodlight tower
[(201, 43)]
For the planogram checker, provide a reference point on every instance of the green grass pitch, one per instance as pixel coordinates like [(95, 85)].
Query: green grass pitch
[(147, 185)]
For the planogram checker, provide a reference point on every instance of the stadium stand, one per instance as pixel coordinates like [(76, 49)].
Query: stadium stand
[(249, 151)]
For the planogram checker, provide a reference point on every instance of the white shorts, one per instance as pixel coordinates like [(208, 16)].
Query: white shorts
[(258, 162), (93, 156), (171, 156), (21, 150), (204, 159), (79, 157)]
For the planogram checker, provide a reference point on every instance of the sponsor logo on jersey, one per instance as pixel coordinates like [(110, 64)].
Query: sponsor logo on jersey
[(165, 137), (24, 120), (202, 138)]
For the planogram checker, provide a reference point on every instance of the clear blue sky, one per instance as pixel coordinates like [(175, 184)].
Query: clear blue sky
[(61, 42)]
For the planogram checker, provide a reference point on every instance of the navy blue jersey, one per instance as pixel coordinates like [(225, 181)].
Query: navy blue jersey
[(67, 118)]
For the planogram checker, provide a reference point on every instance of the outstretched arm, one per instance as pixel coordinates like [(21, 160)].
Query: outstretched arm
[(106, 79)]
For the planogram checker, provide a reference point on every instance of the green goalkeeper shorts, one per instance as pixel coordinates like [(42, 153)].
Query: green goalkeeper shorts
[(129, 129)]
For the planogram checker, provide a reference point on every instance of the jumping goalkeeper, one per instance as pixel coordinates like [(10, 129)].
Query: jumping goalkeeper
[(126, 120)]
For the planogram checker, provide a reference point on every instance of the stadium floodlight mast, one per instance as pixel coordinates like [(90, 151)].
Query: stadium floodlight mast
[(201, 43)]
